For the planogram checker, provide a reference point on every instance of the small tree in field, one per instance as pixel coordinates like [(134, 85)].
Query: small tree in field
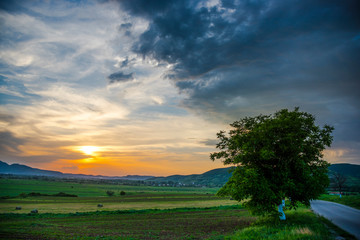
[(276, 157), (110, 193), (338, 180)]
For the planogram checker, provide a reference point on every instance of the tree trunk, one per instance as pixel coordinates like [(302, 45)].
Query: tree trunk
[(281, 211)]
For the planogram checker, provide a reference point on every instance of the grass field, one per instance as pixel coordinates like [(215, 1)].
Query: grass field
[(13, 187), (230, 222), (351, 200), (92, 194), (143, 213), (131, 202), (146, 224)]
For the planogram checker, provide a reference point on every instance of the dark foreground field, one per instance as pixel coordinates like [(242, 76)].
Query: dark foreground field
[(230, 222), (146, 224)]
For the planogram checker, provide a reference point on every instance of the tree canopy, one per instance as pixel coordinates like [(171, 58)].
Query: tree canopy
[(276, 157)]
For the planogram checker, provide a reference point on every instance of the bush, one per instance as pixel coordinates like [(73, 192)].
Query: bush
[(122, 193), (35, 194), (23, 195), (62, 194), (5, 197), (110, 193), (34, 211)]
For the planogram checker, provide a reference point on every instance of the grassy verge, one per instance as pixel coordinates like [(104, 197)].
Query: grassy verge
[(300, 224), (351, 200), (195, 223)]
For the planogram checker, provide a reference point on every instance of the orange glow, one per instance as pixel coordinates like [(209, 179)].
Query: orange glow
[(121, 161), (89, 150), (88, 160), (133, 163)]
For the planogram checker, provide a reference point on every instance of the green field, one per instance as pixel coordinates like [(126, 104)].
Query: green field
[(351, 200), (13, 187), (144, 212), (131, 202), (146, 224), (92, 194)]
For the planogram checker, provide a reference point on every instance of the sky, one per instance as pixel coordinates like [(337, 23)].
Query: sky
[(142, 87)]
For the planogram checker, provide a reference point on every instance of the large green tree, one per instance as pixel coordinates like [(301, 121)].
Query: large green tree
[(276, 157)]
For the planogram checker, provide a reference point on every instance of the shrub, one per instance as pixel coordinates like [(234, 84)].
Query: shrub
[(122, 193), (110, 193), (62, 194), (35, 194), (34, 211), (23, 195), (5, 197)]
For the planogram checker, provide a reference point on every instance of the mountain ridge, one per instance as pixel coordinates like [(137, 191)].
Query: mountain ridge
[(19, 169), (215, 177)]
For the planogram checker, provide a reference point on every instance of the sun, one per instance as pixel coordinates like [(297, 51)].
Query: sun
[(89, 150)]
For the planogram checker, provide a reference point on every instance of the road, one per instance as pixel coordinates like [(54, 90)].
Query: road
[(345, 217)]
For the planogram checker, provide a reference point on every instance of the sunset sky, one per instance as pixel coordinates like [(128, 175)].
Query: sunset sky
[(142, 87)]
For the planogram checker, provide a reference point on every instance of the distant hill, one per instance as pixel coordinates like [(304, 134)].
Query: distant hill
[(19, 169), (213, 178), (351, 170), (218, 177)]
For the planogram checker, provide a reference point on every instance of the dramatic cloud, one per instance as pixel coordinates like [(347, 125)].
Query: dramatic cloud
[(237, 58), (197, 38)]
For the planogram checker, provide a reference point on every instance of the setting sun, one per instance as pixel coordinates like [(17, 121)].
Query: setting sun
[(89, 150)]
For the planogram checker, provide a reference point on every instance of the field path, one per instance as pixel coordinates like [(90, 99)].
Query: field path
[(345, 217)]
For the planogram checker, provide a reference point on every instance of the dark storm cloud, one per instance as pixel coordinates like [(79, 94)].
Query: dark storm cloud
[(242, 58), (120, 77), (146, 8), (198, 39)]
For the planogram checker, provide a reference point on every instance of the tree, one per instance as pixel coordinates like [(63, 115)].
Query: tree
[(276, 157), (338, 181), (110, 193)]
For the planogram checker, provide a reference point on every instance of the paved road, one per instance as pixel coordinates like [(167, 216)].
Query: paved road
[(345, 217)]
